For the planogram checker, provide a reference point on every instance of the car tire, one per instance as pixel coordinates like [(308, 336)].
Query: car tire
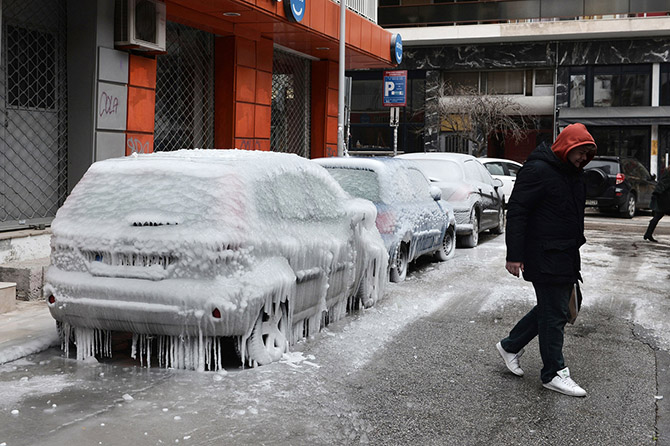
[(448, 245), (269, 337), (500, 227), (471, 240), (399, 271), (629, 206)]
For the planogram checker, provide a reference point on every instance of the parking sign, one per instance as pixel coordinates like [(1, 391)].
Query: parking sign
[(395, 86)]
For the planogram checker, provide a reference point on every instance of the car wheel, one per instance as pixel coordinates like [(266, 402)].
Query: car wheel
[(629, 208), (471, 240), (500, 228), (269, 338), (367, 291), (399, 270), (448, 246)]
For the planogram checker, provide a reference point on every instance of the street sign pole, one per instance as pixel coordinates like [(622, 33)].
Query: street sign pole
[(395, 97), (395, 115)]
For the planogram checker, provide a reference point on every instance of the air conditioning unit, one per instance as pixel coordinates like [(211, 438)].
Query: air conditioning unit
[(140, 25)]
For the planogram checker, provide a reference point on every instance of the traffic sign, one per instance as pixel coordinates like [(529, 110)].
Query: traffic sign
[(395, 88)]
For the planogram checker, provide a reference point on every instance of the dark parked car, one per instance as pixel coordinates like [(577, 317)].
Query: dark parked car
[(616, 184)]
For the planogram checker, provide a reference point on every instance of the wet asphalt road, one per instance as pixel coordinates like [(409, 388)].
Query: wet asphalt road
[(418, 368)]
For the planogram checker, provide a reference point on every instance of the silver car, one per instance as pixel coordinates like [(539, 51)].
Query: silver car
[(411, 218), (182, 249), (469, 188)]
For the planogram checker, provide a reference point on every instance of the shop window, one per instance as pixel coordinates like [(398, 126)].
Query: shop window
[(468, 81), (544, 77), (610, 86), (505, 82)]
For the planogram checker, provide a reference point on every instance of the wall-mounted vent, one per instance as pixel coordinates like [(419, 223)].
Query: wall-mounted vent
[(140, 25)]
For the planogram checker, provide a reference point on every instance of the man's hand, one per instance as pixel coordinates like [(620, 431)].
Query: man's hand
[(514, 268)]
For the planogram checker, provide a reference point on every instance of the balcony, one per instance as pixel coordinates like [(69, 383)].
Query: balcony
[(364, 8), (445, 12)]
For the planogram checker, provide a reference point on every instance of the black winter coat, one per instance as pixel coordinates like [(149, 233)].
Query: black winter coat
[(545, 218), (660, 199)]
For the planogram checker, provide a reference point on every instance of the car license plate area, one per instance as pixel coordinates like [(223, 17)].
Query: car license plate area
[(592, 202)]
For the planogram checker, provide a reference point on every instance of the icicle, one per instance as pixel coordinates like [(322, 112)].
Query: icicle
[(133, 346), (201, 353)]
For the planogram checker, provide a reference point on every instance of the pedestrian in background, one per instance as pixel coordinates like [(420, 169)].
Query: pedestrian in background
[(545, 229), (660, 204)]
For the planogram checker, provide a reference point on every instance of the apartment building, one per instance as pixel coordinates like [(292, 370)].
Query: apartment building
[(605, 64)]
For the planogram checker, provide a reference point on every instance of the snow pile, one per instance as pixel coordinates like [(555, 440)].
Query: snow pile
[(192, 245)]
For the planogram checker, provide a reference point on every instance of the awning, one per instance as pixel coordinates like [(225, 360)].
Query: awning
[(615, 116)]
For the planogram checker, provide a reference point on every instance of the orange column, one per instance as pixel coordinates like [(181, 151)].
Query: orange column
[(243, 91), (324, 108), (141, 104)]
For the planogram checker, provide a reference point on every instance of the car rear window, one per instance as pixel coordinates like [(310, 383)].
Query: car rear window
[(610, 167), (440, 170), (360, 183)]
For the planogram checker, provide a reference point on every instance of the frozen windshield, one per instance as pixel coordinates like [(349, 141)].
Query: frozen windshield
[(360, 183), (440, 170)]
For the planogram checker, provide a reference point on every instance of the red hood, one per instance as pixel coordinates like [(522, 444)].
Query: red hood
[(572, 136)]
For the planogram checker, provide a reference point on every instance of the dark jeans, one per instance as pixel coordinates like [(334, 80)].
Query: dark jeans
[(653, 222), (546, 320)]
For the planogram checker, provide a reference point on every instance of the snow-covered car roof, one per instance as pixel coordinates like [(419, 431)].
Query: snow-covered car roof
[(391, 186), (208, 189), (498, 160)]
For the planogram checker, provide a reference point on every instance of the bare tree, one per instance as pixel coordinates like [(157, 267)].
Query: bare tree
[(475, 117)]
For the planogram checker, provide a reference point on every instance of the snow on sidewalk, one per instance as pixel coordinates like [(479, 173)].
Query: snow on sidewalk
[(26, 330)]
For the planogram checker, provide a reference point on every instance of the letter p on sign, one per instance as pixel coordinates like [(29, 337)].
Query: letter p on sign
[(388, 88)]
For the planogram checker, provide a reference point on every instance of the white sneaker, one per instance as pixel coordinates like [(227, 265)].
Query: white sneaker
[(564, 384), (511, 360)]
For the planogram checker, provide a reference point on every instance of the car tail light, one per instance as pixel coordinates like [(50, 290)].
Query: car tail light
[(619, 178), (51, 299), (216, 314), (385, 222)]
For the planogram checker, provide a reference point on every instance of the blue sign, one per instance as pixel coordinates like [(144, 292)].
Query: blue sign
[(396, 48), (294, 9), (395, 86)]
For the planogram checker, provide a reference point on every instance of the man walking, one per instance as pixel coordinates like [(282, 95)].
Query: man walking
[(545, 229)]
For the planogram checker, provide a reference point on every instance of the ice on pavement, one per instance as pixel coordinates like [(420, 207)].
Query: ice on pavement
[(151, 244)]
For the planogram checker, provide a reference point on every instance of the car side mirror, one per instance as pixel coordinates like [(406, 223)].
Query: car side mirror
[(435, 192), (497, 182)]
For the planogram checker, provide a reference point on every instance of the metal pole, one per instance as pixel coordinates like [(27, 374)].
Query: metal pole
[(340, 95)]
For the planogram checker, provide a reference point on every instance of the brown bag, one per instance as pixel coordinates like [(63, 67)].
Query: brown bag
[(575, 302)]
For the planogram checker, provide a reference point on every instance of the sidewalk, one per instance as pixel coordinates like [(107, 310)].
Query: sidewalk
[(26, 330)]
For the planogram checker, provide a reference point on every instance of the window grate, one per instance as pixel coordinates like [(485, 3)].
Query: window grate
[(290, 122), (185, 90)]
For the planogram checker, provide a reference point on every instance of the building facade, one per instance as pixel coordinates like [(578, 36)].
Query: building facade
[(605, 64), (83, 80)]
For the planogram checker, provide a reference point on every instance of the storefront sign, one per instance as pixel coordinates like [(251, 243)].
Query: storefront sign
[(294, 9), (396, 48)]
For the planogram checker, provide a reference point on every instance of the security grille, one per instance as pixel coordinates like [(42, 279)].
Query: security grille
[(185, 90), (33, 112), (290, 131)]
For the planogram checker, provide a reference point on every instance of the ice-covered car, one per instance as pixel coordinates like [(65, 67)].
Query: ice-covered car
[(183, 249), (411, 218), (505, 170), (469, 188)]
